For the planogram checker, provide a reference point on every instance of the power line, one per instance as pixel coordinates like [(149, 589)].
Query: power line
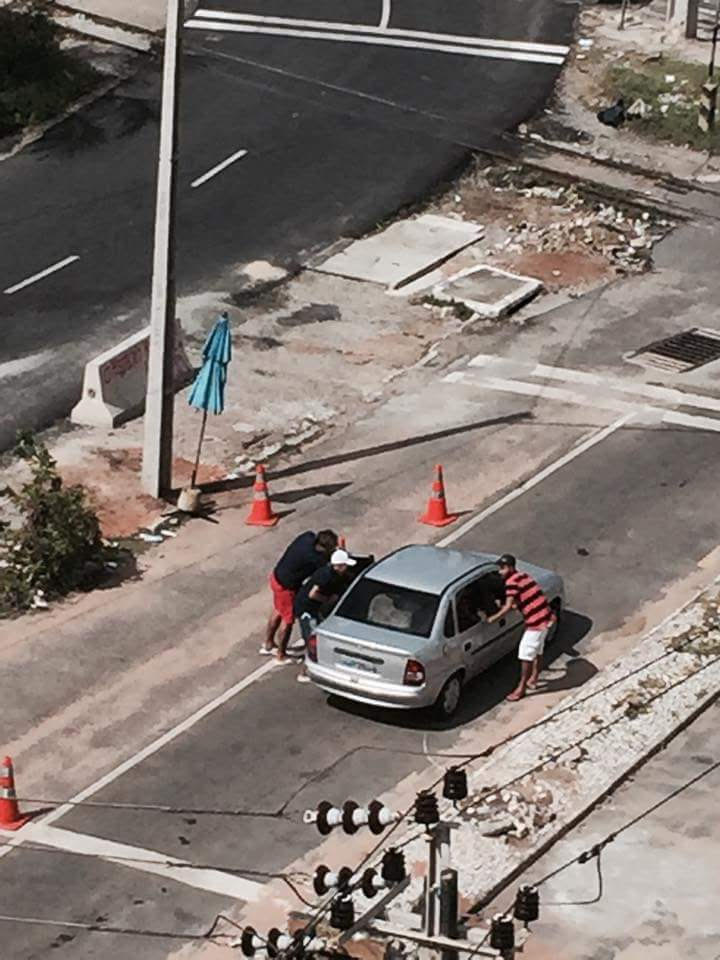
[(209, 935), (597, 848), (288, 879)]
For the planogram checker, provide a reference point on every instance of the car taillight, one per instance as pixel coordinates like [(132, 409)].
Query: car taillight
[(414, 674), (311, 648)]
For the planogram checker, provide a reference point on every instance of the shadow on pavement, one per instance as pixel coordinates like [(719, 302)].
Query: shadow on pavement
[(490, 688), (241, 483)]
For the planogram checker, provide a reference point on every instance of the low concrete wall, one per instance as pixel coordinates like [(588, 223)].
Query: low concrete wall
[(115, 383)]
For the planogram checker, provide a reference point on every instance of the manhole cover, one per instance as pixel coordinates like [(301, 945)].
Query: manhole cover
[(681, 352)]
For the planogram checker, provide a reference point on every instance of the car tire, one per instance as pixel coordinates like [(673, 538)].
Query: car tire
[(448, 701)]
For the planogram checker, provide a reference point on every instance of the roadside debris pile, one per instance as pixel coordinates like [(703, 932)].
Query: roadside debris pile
[(259, 446), (575, 222), (513, 814)]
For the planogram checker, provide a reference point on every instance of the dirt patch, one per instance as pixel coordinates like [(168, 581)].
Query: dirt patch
[(559, 270), (112, 478)]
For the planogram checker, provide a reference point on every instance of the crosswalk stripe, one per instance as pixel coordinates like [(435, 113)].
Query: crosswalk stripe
[(666, 395), (223, 21), (460, 39), (378, 41)]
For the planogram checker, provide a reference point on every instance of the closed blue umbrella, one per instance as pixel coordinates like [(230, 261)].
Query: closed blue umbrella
[(208, 390)]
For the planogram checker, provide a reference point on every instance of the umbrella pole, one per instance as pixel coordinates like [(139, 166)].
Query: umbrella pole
[(199, 448)]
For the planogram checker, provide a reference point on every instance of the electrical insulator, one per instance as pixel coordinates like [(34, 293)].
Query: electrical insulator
[(277, 941), (250, 942), (325, 817), (379, 816), (353, 816), (342, 913), (371, 883), (455, 785), (502, 933), (325, 880), (527, 904), (393, 867), (426, 808)]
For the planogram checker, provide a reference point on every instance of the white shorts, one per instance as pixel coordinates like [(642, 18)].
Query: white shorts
[(532, 643)]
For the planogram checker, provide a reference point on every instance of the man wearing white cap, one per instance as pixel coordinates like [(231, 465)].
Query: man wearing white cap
[(318, 593)]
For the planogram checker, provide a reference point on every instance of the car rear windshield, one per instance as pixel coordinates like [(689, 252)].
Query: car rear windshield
[(391, 607)]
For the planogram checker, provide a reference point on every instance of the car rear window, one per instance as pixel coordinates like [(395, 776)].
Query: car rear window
[(391, 607)]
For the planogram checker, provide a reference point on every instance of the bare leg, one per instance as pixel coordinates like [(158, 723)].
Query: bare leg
[(272, 626), (519, 691), (283, 641), (535, 672)]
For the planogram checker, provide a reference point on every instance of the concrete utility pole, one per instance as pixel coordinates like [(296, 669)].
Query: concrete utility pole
[(683, 14), (160, 398)]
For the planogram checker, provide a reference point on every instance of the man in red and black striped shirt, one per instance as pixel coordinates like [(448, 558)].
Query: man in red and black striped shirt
[(523, 594)]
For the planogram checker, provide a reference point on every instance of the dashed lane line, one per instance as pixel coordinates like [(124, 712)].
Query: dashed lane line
[(218, 169), (60, 265)]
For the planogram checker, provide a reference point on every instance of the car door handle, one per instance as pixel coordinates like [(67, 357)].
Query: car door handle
[(468, 645)]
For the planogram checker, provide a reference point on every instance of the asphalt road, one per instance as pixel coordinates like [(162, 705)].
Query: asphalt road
[(271, 745), (339, 134)]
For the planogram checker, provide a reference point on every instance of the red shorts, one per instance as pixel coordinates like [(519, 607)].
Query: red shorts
[(283, 600)]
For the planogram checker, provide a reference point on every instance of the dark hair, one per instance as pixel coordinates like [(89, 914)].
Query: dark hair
[(327, 541), (507, 560)]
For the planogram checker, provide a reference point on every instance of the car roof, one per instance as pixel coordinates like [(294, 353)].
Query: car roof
[(426, 568)]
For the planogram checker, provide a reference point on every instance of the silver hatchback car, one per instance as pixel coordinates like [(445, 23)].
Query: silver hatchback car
[(411, 629)]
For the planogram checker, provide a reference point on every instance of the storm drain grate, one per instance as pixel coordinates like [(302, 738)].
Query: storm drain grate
[(681, 352)]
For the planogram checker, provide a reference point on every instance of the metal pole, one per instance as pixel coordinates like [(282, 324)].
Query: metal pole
[(157, 443), (623, 11), (449, 909), (711, 65), (430, 884)]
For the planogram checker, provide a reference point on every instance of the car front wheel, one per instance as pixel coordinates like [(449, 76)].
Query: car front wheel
[(448, 702)]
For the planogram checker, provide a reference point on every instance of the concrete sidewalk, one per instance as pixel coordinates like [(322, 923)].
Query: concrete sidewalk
[(660, 881), (148, 15)]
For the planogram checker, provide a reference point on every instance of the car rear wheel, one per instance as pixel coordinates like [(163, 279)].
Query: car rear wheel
[(450, 696)]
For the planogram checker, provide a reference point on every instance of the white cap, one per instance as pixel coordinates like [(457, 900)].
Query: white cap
[(342, 557)]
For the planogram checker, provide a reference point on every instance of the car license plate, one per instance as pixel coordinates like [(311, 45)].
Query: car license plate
[(357, 665)]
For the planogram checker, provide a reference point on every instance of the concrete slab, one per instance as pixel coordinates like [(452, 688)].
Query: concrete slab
[(488, 291), (142, 14), (404, 251)]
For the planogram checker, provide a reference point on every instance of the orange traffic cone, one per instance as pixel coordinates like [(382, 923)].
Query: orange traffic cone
[(436, 513), (261, 513), (10, 816)]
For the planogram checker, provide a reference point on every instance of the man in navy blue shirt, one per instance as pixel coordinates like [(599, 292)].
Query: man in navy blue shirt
[(306, 554)]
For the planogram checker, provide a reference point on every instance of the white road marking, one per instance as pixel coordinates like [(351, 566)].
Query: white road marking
[(335, 26), (215, 170), (538, 478), (667, 395), (544, 392), (385, 15), (384, 40), (147, 861), (43, 273), (158, 744), (691, 420)]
